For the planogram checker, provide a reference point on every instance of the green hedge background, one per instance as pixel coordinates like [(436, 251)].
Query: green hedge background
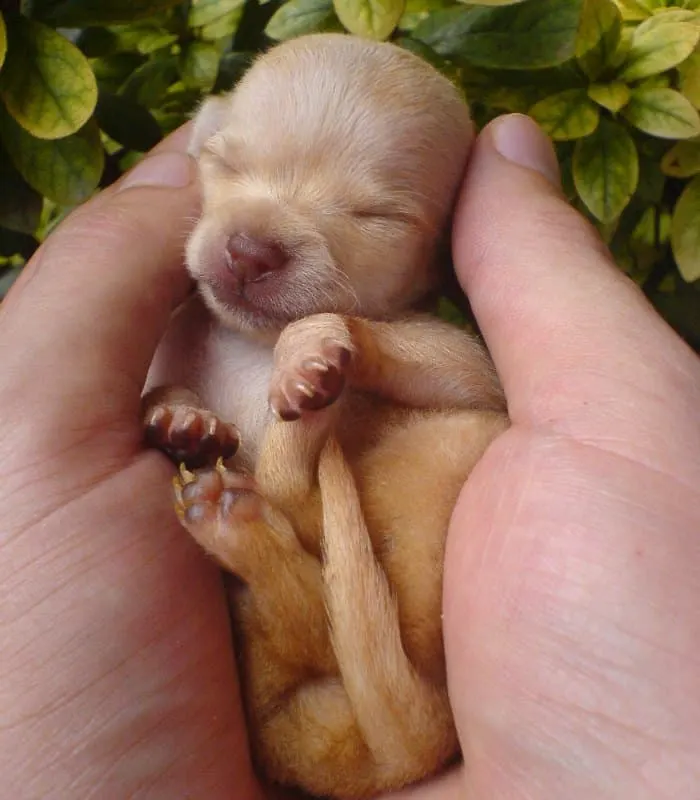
[(87, 86)]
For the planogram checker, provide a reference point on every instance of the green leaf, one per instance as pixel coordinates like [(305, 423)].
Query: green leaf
[(566, 115), (416, 11), (112, 71), (689, 73), (660, 48), (3, 40), (20, 205), (206, 12), (685, 231), (297, 17), (142, 37), (652, 182), (666, 15), (606, 170), (199, 65), (222, 28), (149, 83), (612, 96), (46, 82), (66, 170), (531, 35), (127, 122), (634, 10), (662, 112), (81, 13), (598, 35), (374, 19), (682, 160)]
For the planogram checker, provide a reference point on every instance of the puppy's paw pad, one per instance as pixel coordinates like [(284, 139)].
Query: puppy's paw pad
[(190, 435), (311, 381), (214, 495)]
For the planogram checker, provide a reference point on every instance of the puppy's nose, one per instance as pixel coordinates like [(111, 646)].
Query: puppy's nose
[(250, 259)]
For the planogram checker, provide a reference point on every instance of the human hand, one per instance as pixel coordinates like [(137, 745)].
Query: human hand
[(116, 672), (572, 585)]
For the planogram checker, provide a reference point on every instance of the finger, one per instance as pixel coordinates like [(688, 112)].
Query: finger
[(569, 333), (94, 300)]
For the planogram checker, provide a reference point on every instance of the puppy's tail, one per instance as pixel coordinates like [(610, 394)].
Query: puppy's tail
[(405, 721)]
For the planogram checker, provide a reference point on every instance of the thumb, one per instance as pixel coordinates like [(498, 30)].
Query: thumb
[(572, 337), (90, 306)]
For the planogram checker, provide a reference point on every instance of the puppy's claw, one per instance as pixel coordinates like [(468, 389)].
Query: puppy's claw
[(186, 475)]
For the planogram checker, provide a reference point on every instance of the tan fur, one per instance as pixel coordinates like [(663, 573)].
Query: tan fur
[(348, 154)]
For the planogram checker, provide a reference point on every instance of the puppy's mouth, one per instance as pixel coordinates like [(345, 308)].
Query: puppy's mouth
[(259, 302)]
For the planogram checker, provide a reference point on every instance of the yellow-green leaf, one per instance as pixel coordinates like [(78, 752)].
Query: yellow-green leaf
[(662, 112), (297, 17), (685, 231), (3, 40), (598, 35), (46, 82), (373, 19), (682, 160), (200, 65), (492, 2), (634, 10), (222, 28), (206, 12), (666, 15), (65, 170), (689, 73), (612, 96), (606, 170), (566, 115), (657, 49)]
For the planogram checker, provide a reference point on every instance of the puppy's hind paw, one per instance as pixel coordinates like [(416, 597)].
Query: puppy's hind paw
[(213, 498)]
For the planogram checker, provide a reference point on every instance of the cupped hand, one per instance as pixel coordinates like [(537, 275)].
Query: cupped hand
[(573, 567), (117, 678), (572, 586)]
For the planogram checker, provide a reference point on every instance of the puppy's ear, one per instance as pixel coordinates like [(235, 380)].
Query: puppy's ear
[(208, 121)]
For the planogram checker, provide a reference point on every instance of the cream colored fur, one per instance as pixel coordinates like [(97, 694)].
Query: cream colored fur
[(348, 154)]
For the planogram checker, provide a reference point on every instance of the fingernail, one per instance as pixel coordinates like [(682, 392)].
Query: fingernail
[(171, 170), (520, 139)]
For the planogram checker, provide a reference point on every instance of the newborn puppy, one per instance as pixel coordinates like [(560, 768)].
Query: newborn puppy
[(348, 422)]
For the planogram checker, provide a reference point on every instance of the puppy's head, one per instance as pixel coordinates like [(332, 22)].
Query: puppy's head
[(328, 176)]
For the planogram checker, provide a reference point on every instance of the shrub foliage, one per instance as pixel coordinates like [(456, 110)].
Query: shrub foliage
[(87, 86)]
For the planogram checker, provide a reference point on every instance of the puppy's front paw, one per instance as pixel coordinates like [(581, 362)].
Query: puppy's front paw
[(311, 362), (190, 435), (311, 383)]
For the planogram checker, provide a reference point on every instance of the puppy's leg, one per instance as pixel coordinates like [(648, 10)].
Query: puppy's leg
[(379, 725), (405, 719), (225, 513), (175, 423), (419, 361)]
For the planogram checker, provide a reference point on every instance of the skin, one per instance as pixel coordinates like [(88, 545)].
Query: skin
[(571, 614)]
